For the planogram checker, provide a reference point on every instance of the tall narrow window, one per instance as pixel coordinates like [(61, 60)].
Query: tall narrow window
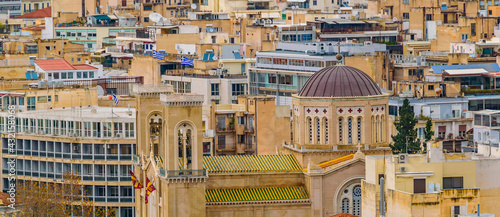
[(325, 122), (356, 200), (359, 130), (309, 125), (349, 131), (340, 131), (381, 127), (318, 132), (376, 129), (345, 205)]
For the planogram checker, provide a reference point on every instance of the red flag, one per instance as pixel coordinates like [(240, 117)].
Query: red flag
[(137, 185), (149, 188)]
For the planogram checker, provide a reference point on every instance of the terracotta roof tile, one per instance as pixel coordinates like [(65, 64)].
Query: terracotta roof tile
[(54, 65), (42, 13), (84, 66)]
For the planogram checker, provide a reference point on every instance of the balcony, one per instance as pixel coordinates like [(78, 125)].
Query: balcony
[(176, 174)]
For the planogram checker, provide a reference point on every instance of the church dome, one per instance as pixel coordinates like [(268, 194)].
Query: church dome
[(339, 81)]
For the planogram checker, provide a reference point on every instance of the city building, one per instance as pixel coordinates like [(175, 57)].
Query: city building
[(284, 72), (62, 70), (95, 142), (11, 8), (434, 183), (33, 5), (91, 37), (255, 126), (240, 185)]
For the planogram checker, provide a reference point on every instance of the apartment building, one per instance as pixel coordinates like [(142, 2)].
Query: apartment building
[(284, 72), (253, 126), (62, 70), (95, 142), (91, 37)]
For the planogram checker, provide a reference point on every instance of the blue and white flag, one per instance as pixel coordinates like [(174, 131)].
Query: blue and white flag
[(158, 55), (186, 61), (116, 99)]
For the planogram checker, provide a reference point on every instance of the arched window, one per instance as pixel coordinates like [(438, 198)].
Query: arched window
[(318, 131), (376, 129), (349, 131), (310, 130), (356, 200), (359, 130), (345, 205), (340, 131), (325, 122)]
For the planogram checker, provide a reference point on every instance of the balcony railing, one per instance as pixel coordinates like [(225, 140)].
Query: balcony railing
[(184, 173)]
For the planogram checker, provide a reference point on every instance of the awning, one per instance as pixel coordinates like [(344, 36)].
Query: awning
[(464, 72), (113, 17), (442, 129), (101, 17), (462, 128)]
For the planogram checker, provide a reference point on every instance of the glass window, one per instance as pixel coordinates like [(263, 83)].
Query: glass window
[(78, 74), (117, 129), (214, 89), (70, 75), (96, 129), (85, 74), (106, 126), (129, 130), (453, 182), (91, 74), (238, 89)]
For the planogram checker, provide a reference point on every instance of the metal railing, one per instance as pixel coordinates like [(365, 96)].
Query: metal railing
[(117, 85), (185, 173)]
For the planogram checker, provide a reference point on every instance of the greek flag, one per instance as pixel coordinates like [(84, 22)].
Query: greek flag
[(158, 55), (116, 99), (186, 61)]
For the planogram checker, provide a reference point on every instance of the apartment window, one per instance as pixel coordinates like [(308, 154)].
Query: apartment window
[(146, 19), (117, 129), (453, 182), (214, 89), (78, 74), (241, 139), (406, 2), (85, 74), (430, 87), (96, 129), (241, 120), (406, 16), (473, 29), (221, 122), (462, 129), (106, 126), (124, 3), (428, 17), (87, 129), (238, 89), (221, 141), (419, 186), (70, 75), (315, 2), (442, 132), (129, 130)]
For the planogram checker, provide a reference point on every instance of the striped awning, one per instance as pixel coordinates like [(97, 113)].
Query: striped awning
[(251, 163), (256, 194)]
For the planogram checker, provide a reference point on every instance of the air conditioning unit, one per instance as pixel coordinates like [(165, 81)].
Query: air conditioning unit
[(402, 169), (403, 158)]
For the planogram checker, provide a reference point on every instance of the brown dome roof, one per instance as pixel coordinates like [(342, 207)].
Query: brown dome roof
[(339, 81)]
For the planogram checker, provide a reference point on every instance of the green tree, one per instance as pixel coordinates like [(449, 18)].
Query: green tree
[(428, 133), (407, 134)]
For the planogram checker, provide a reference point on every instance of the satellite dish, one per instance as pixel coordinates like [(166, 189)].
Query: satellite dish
[(100, 91), (395, 19), (293, 7), (100, 6), (193, 6), (163, 20), (215, 58), (339, 11), (155, 17)]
